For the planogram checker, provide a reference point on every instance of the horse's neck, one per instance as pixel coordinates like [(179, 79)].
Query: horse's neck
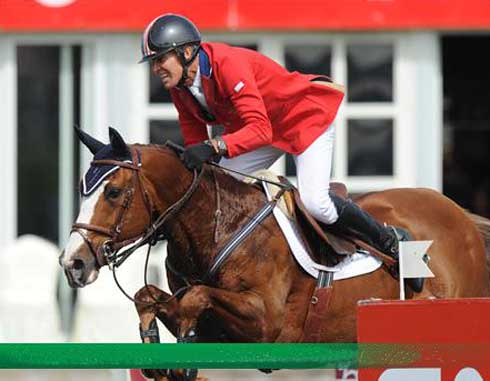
[(200, 230), (195, 233), (190, 230)]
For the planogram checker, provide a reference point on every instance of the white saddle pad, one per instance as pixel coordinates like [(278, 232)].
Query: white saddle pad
[(354, 265)]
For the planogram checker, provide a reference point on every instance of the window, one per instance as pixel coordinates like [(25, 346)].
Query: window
[(370, 144), (39, 138), (370, 73), (307, 59), (163, 130), (370, 147)]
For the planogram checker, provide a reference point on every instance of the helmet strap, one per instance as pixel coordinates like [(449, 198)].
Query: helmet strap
[(185, 63)]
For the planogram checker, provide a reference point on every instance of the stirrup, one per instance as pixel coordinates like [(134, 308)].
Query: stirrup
[(416, 284), (400, 236), (394, 249)]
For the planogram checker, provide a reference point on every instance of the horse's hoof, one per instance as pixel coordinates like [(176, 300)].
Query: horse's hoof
[(190, 374), (152, 373), (148, 373), (183, 374), (267, 371)]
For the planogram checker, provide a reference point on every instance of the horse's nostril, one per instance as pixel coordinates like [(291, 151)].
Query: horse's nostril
[(60, 258), (78, 264)]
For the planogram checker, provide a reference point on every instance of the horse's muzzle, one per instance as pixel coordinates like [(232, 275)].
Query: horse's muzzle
[(74, 271)]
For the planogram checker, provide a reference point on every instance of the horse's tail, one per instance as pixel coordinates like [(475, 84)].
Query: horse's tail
[(483, 225)]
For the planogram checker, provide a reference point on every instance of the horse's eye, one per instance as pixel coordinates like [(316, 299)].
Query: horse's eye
[(112, 193)]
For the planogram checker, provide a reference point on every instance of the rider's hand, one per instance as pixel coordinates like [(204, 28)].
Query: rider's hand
[(195, 155)]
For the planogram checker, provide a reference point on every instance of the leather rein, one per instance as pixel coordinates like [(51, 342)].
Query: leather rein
[(109, 254)]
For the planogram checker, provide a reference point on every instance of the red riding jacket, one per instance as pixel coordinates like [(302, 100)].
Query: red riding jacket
[(257, 101)]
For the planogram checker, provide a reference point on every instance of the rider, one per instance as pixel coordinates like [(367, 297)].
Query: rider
[(265, 111)]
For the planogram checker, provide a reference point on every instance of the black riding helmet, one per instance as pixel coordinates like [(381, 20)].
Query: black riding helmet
[(170, 32)]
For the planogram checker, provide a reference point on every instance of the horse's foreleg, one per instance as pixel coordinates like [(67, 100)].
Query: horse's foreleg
[(165, 308), (244, 313), (150, 302)]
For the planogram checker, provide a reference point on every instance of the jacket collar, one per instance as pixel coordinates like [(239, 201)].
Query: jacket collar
[(204, 64)]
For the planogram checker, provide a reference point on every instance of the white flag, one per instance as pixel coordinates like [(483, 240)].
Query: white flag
[(412, 264)]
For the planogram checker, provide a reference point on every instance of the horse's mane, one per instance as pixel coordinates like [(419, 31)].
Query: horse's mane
[(226, 180)]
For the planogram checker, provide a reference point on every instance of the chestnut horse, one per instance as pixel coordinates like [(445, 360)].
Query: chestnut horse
[(259, 294)]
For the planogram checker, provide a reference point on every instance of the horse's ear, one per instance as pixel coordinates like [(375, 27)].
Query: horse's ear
[(118, 144), (91, 143)]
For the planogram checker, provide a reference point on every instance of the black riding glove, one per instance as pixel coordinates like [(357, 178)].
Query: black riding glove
[(195, 155)]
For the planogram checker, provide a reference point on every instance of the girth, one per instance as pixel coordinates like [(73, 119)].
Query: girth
[(240, 236)]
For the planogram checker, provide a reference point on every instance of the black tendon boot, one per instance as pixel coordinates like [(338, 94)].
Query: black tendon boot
[(358, 223)]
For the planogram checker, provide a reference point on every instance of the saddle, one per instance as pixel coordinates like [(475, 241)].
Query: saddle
[(316, 236)]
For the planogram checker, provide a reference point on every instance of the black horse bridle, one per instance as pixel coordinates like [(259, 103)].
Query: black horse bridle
[(112, 244), (109, 253)]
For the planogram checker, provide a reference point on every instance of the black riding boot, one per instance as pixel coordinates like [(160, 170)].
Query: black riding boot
[(358, 223)]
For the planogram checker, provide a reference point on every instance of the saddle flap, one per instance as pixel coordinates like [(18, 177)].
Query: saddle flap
[(291, 205), (338, 244)]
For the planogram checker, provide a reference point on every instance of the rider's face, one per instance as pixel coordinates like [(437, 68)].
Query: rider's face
[(168, 69)]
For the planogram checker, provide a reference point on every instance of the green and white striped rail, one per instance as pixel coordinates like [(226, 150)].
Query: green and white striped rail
[(203, 356)]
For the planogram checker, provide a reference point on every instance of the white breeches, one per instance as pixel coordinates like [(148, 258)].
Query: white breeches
[(313, 169)]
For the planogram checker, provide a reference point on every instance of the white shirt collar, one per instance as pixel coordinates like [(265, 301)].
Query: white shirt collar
[(197, 91), (197, 79)]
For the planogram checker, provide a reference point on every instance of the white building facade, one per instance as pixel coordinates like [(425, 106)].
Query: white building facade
[(389, 129)]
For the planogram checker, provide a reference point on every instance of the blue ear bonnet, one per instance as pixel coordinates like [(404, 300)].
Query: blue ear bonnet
[(97, 173)]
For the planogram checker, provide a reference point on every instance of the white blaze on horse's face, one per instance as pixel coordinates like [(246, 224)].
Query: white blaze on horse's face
[(76, 248)]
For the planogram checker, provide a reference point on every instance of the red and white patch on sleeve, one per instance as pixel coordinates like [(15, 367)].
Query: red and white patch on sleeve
[(240, 85)]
